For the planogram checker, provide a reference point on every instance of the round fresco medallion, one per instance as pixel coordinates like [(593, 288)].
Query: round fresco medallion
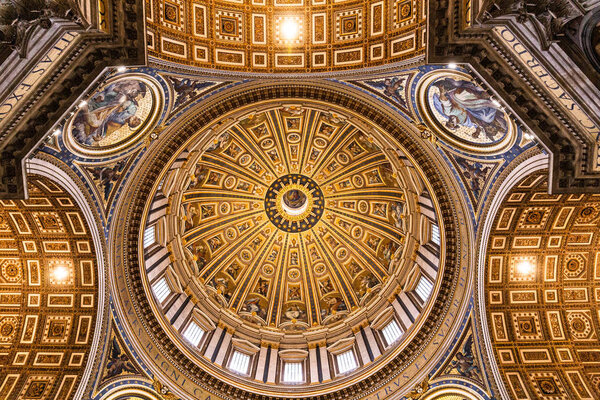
[(116, 116), (463, 114)]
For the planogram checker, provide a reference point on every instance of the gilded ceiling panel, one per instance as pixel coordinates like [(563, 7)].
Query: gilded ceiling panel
[(285, 35), (48, 294), (542, 287)]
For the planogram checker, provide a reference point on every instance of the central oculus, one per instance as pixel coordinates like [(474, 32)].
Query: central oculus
[(294, 203)]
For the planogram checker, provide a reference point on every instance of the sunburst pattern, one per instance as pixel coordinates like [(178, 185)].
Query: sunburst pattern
[(264, 267), (294, 225)]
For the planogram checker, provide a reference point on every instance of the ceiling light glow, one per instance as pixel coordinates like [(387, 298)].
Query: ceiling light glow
[(61, 273), (525, 267), (452, 65), (290, 29)]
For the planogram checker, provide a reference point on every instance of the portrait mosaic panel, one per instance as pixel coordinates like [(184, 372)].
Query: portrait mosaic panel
[(463, 113), (115, 116)]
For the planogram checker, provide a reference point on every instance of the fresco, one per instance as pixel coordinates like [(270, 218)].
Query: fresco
[(114, 116)]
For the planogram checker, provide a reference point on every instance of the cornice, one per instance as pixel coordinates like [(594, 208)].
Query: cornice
[(571, 150), (31, 118)]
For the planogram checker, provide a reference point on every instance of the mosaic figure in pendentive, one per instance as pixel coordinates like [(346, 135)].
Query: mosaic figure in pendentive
[(105, 177), (118, 362), (187, 89), (114, 109), (475, 174), (461, 103), (393, 87), (464, 361)]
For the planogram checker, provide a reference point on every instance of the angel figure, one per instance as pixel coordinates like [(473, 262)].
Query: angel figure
[(392, 87), (464, 361), (118, 363)]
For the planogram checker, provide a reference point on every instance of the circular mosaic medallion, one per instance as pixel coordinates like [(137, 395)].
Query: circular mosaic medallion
[(463, 114), (115, 116), (294, 203)]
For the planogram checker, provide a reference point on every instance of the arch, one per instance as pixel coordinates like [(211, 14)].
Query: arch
[(56, 174), (529, 166)]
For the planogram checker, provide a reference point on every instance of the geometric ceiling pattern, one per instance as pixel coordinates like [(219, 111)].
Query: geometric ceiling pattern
[(294, 219), (285, 35), (48, 294), (298, 177), (542, 287)]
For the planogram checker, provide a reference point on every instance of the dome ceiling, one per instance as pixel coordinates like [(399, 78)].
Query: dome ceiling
[(293, 217), (280, 226), (285, 35)]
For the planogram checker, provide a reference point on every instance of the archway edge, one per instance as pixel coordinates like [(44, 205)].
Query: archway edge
[(63, 179), (526, 168)]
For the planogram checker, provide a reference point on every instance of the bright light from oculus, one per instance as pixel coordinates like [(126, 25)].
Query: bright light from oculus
[(525, 267), (61, 273), (290, 30)]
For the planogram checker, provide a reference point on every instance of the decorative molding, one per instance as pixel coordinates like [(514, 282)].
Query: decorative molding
[(455, 37), (116, 40)]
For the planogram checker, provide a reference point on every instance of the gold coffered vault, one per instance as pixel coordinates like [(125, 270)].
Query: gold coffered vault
[(285, 36), (299, 199)]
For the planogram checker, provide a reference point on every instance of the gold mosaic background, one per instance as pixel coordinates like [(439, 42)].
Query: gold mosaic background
[(246, 35), (544, 324), (46, 326)]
